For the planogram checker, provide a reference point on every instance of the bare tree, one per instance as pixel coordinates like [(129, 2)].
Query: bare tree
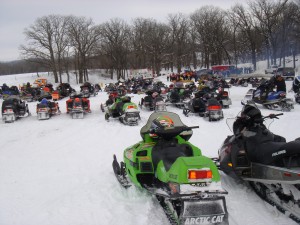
[(84, 36), (179, 27), (212, 34), (45, 42), (115, 43), (247, 27), (268, 13), (140, 29), (157, 40)]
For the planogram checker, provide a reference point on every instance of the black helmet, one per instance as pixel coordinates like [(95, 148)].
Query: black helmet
[(251, 111)]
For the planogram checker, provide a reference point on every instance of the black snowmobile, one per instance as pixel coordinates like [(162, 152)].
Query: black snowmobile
[(195, 105), (153, 101), (87, 90), (178, 96), (296, 88), (269, 164), (64, 89), (13, 108)]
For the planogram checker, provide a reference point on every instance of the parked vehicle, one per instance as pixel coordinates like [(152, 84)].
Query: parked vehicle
[(264, 160), (271, 70), (45, 109), (266, 96), (286, 72), (122, 109), (164, 163), (77, 106), (13, 108)]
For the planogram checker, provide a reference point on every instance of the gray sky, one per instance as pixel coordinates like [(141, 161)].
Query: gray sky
[(16, 15)]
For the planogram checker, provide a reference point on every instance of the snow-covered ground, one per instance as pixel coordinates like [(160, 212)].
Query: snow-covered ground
[(58, 171)]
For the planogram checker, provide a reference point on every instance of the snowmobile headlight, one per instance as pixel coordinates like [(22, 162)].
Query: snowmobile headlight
[(195, 174)]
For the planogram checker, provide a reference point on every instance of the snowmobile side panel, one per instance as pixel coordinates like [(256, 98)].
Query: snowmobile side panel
[(271, 174)]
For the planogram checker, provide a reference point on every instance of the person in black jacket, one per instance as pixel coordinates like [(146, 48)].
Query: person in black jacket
[(279, 82)]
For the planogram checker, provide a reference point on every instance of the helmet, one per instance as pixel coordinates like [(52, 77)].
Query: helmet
[(77, 99), (161, 122), (251, 111), (44, 101)]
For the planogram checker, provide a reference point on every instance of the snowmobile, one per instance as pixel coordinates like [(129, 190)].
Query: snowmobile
[(186, 184), (123, 109), (223, 98), (265, 161), (153, 102), (13, 108), (270, 99), (45, 109), (296, 88), (77, 106), (214, 110), (26, 96), (10, 91), (87, 89), (178, 96), (64, 90), (297, 97), (195, 105)]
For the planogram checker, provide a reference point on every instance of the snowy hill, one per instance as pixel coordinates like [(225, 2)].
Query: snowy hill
[(58, 171)]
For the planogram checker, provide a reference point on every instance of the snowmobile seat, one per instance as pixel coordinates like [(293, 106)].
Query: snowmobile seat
[(168, 152), (270, 153), (198, 105), (148, 99), (174, 96)]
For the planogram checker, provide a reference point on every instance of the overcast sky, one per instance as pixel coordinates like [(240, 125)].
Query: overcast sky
[(16, 15)]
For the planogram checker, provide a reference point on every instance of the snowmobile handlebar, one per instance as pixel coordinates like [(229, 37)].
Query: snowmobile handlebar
[(273, 116)]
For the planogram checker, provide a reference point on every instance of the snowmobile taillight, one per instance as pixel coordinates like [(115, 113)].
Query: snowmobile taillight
[(8, 110), (287, 174), (225, 94), (214, 107), (195, 174), (282, 94), (131, 107)]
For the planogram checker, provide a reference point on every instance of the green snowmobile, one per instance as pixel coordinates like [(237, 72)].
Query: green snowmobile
[(186, 184), (123, 109)]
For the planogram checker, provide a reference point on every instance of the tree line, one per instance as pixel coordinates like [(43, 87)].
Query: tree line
[(260, 30)]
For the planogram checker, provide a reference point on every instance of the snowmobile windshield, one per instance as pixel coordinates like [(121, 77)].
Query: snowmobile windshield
[(176, 119)]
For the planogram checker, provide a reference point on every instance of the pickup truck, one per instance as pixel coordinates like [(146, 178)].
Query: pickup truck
[(271, 70)]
